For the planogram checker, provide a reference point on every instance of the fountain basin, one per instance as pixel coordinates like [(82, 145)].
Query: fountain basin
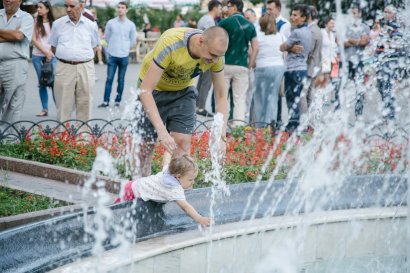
[(351, 235), (359, 201)]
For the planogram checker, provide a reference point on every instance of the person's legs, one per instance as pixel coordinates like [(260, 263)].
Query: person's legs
[(145, 131), (385, 86), (183, 142), (64, 87), (277, 76), (99, 54), (122, 69), (259, 98), (249, 92), (54, 64), (294, 85), (279, 113), (290, 96), (111, 69), (84, 89), (37, 63), (14, 85), (356, 74), (240, 83), (229, 71), (204, 85), (145, 159)]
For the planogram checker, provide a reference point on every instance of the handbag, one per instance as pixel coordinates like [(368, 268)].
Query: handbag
[(47, 75)]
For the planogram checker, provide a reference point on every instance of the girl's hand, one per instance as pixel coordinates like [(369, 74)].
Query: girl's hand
[(205, 221), (49, 56)]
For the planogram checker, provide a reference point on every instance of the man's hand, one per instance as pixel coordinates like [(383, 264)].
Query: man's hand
[(167, 141), (296, 49)]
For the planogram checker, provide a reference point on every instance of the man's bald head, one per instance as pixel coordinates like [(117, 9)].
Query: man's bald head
[(216, 35), (212, 44)]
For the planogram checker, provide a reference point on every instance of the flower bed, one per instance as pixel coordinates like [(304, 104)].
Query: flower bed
[(247, 152)]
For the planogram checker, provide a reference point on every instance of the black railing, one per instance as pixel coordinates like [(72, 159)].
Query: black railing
[(20, 130)]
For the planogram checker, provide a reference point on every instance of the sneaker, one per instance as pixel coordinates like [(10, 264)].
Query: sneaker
[(103, 105), (117, 104), (204, 113)]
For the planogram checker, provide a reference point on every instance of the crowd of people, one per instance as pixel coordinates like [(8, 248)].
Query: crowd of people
[(257, 61), (70, 44), (268, 58), (300, 61)]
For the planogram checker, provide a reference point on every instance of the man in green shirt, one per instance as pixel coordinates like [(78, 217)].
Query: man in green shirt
[(241, 33)]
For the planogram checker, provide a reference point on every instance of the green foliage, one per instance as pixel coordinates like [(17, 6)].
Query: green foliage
[(161, 18), (105, 14), (14, 202)]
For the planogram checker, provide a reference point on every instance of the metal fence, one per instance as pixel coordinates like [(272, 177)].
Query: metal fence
[(19, 131)]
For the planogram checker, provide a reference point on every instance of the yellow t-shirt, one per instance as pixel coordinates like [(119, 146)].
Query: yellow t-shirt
[(171, 53)]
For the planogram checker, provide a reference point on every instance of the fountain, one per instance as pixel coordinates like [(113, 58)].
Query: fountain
[(339, 210)]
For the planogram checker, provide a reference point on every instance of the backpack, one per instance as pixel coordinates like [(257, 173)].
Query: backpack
[(280, 24), (47, 75)]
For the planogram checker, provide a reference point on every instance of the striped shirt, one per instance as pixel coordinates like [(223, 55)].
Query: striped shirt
[(172, 54)]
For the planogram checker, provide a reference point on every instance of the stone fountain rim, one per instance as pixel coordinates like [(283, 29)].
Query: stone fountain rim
[(150, 248)]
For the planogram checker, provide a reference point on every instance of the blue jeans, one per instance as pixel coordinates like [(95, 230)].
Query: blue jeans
[(294, 81), (264, 106), (37, 63), (112, 64)]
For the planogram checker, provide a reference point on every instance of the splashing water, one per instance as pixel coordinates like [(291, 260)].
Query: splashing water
[(104, 225), (219, 188), (339, 149)]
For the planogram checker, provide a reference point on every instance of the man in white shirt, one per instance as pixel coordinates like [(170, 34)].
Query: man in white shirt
[(274, 7), (121, 36), (74, 40)]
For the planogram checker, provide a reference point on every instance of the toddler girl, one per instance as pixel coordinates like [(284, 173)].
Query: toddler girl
[(167, 186)]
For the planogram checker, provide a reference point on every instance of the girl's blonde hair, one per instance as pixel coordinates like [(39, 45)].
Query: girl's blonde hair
[(182, 164)]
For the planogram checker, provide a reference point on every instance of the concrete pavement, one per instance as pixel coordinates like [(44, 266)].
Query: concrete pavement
[(32, 105)]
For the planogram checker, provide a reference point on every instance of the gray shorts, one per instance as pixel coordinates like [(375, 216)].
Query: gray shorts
[(177, 111)]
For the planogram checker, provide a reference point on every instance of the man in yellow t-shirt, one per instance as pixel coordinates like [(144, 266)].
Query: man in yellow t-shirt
[(168, 94)]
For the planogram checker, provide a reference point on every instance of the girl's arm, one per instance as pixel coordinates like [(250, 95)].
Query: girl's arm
[(183, 204)]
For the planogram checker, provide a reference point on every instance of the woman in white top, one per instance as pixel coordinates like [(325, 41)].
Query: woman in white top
[(42, 49), (270, 67), (329, 48)]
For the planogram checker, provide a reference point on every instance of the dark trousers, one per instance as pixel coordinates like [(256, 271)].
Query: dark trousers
[(385, 77), (204, 85), (355, 73), (112, 64), (293, 87)]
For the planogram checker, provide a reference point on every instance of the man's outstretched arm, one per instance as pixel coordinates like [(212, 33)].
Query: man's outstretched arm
[(148, 84)]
